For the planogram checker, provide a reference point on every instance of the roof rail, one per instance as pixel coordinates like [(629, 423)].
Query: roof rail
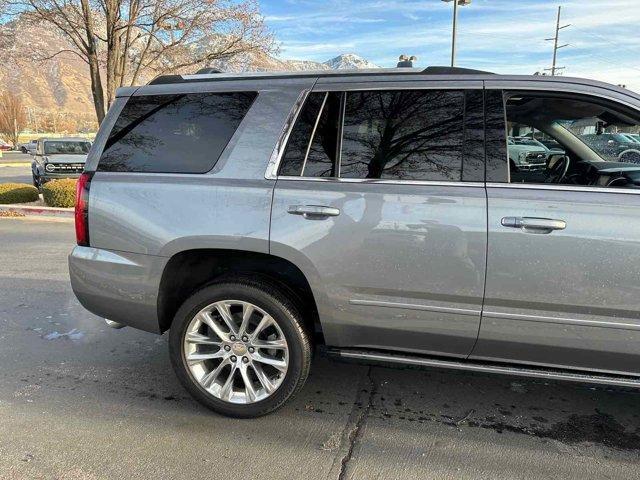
[(453, 71), (164, 79), (208, 70)]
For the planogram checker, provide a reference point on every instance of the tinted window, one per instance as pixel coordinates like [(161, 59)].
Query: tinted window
[(174, 133), (496, 146), (313, 143), (473, 158), (403, 135)]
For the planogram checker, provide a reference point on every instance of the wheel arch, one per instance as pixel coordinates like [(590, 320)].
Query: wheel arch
[(190, 270)]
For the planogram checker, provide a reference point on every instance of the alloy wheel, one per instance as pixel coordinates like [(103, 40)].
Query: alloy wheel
[(236, 351)]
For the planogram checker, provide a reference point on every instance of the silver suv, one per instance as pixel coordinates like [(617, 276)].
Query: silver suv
[(374, 213)]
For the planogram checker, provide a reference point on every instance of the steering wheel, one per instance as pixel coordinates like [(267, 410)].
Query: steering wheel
[(557, 171)]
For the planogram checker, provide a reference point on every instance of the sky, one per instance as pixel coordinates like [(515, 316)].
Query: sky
[(502, 36)]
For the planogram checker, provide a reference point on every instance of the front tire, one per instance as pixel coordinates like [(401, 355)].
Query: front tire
[(240, 348)]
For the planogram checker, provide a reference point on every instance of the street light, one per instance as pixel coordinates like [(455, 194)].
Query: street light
[(462, 3)]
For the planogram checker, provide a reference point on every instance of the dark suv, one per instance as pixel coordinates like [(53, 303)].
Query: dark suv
[(373, 213)]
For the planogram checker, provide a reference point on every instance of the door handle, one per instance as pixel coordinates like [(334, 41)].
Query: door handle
[(534, 225), (313, 211)]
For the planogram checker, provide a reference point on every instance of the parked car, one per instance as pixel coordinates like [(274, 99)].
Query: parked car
[(527, 153), (633, 136), (614, 146), (58, 158), (373, 214), (4, 146), (29, 147)]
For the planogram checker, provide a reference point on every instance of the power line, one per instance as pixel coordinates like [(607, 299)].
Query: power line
[(557, 47)]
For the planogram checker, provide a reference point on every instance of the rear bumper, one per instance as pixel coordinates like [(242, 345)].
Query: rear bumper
[(120, 286)]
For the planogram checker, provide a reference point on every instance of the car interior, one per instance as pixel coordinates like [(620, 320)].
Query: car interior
[(569, 120)]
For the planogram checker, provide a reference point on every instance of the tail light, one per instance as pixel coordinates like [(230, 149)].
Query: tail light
[(82, 209)]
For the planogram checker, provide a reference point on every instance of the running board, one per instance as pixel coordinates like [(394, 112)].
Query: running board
[(519, 371)]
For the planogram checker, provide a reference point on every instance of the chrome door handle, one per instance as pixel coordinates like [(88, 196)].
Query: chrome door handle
[(534, 225), (313, 211)]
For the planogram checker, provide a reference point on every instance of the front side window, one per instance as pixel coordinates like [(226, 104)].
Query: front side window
[(183, 133), (571, 140)]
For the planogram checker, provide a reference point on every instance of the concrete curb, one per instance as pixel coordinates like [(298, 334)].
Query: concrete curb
[(14, 164), (26, 210)]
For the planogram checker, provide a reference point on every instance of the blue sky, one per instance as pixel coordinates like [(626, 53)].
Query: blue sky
[(505, 36)]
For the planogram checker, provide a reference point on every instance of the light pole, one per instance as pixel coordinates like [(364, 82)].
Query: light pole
[(462, 3)]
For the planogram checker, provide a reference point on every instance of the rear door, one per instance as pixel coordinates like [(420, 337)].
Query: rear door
[(562, 270), (380, 201)]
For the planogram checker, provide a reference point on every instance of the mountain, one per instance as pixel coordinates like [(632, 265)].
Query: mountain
[(349, 61), (57, 93)]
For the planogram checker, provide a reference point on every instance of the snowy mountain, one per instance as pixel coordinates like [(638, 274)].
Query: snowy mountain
[(349, 61), (61, 84)]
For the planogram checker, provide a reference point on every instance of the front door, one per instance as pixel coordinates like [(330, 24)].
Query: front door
[(563, 287), (380, 202)]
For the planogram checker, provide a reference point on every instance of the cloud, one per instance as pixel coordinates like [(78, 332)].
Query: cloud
[(503, 35)]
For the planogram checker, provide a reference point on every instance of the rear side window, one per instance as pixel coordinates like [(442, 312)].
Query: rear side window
[(403, 135), (183, 133), (428, 135), (313, 144)]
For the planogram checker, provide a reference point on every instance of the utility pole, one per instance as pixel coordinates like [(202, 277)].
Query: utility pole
[(557, 47), (461, 3)]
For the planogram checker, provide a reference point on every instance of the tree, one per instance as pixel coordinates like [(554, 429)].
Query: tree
[(126, 41), (12, 117)]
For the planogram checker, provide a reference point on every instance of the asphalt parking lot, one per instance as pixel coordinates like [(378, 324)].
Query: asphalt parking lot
[(15, 167), (81, 401)]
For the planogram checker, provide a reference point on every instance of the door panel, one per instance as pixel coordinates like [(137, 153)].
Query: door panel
[(567, 297), (400, 267)]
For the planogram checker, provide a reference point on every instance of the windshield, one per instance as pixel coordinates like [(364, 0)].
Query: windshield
[(70, 148)]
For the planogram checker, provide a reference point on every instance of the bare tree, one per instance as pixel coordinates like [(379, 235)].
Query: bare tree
[(126, 41), (12, 117)]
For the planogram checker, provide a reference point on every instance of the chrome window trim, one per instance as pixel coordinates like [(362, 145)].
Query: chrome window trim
[(562, 188), (313, 133), (382, 181), (271, 172)]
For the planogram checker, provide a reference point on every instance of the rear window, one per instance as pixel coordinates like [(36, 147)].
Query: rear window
[(183, 133)]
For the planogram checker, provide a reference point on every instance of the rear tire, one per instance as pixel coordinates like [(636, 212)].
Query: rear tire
[(200, 329)]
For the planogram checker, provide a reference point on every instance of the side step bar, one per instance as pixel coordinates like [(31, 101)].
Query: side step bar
[(520, 371)]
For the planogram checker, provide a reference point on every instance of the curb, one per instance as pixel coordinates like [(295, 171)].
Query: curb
[(25, 210), (14, 164)]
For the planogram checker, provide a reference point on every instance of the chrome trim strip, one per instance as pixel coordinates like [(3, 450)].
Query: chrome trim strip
[(313, 134), (505, 370), (563, 188), (382, 181), (413, 306), (276, 156), (561, 320)]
